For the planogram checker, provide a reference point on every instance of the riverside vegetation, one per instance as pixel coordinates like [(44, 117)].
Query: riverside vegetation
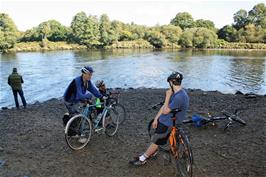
[(87, 31)]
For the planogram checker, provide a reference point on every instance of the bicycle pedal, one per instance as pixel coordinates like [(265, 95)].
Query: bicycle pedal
[(99, 130)]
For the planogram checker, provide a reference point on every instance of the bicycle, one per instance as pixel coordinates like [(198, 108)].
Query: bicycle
[(79, 128), (178, 146), (200, 121), (113, 98)]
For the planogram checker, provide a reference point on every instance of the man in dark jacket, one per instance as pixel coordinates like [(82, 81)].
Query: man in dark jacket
[(15, 81), (81, 88)]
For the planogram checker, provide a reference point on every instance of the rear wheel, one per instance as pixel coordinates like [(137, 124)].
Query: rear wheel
[(111, 121), (184, 158), (78, 132)]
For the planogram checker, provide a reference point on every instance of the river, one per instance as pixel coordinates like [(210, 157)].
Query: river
[(47, 74)]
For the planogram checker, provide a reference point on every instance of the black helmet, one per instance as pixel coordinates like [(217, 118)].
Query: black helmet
[(176, 78)]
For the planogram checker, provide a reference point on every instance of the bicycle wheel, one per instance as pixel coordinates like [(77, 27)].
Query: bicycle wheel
[(184, 159), (78, 132), (242, 122), (121, 111), (111, 121)]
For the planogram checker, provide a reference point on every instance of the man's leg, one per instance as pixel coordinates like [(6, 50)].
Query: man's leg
[(151, 150), (21, 94), (15, 93)]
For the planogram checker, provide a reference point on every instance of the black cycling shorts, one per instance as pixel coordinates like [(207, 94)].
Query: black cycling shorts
[(161, 134)]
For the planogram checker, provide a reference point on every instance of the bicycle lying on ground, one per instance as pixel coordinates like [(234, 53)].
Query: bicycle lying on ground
[(79, 128), (179, 148), (200, 121)]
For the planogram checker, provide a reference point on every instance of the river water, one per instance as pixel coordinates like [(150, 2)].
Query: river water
[(47, 74)]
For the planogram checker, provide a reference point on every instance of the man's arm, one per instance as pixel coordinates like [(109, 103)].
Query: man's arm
[(165, 107)]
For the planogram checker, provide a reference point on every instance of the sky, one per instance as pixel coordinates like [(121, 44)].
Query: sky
[(27, 14)]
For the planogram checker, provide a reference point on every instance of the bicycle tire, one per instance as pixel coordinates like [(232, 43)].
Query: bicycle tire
[(184, 161), (111, 121), (78, 132), (122, 112), (242, 122)]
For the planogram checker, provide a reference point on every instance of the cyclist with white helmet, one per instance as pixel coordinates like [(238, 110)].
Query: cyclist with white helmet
[(80, 89)]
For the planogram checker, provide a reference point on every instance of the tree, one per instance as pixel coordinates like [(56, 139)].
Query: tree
[(155, 38), (8, 32), (228, 33), (198, 37), (172, 33), (44, 30), (106, 34), (31, 35), (85, 30), (252, 34), (240, 19), (257, 15), (204, 24), (183, 20)]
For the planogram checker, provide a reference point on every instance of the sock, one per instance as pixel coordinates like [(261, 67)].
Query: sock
[(143, 157)]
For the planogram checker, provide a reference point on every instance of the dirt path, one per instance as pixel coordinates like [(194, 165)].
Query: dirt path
[(32, 140)]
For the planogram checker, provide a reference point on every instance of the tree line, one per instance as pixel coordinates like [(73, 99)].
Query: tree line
[(183, 30)]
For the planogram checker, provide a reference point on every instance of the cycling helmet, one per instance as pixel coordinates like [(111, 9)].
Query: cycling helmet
[(87, 69), (99, 83), (176, 78)]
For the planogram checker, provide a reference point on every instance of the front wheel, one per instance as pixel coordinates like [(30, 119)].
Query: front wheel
[(242, 122), (184, 159), (121, 111), (111, 121), (78, 132)]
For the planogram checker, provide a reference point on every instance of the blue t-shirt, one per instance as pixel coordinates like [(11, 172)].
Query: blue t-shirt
[(180, 101)]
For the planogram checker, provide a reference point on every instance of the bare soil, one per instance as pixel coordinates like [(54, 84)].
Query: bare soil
[(32, 140)]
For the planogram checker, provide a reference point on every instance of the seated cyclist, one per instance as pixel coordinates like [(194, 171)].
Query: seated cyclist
[(80, 89), (176, 98)]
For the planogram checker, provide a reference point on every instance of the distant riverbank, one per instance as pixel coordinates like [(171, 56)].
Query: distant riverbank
[(139, 44)]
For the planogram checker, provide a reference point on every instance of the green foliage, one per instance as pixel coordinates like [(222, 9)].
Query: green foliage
[(31, 35), (238, 45), (228, 33), (183, 20), (155, 38), (204, 24), (51, 30), (198, 37), (85, 30), (140, 43), (8, 32), (251, 33), (240, 19), (36, 46), (172, 33), (257, 15), (107, 34), (248, 27)]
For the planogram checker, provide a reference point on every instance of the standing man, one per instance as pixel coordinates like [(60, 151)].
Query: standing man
[(15, 81)]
